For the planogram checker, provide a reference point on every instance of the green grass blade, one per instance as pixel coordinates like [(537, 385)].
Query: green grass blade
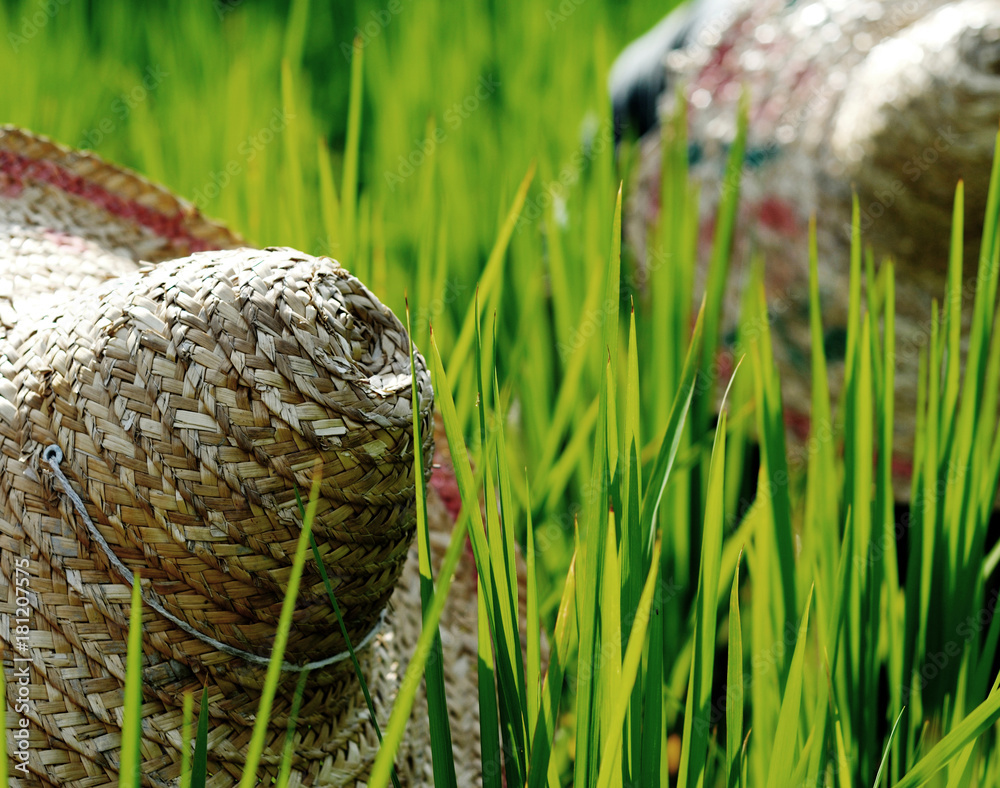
[(734, 687), (969, 729), (611, 686), (590, 568), (488, 712), (295, 31), (188, 713), (674, 433), (507, 674), (854, 302), (275, 667), (349, 183), (774, 465), (820, 500), (128, 775), (895, 624), (490, 276), (697, 723), (284, 773), (866, 582), (292, 185), (533, 626), (552, 688), (507, 595), (632, 535), (830, 642), (199, 764), (885, 752), (463, 476), (612, 292), (343, 631), (573, 455), (629, 670), (986, 287), (953, 306), (415, 670), (798, 776), (929, 546), (470, 510), (330, 206), (843, 761), (783, 753), (718, 266), (651, 752), (575, 358), (841, 591), (437, 702), (962, 772)]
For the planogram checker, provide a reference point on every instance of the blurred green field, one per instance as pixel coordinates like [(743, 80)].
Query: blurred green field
[(466, 163)]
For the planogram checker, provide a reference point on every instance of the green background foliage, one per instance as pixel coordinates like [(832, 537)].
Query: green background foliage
[(709, 622)]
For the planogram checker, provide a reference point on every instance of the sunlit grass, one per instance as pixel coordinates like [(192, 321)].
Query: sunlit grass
[(578, 401)]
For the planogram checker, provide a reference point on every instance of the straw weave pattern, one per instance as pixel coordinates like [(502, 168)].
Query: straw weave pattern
[(190, 398)]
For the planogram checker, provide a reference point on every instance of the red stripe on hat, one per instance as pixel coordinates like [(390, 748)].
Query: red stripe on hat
[(168, 226)]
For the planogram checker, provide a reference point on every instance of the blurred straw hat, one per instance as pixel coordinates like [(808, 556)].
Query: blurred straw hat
[(896, 101), (157, 418)]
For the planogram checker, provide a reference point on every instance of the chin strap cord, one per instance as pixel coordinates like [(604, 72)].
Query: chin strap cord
[(53, 455)]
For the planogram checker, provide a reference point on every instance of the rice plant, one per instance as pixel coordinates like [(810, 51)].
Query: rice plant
[(809, 634)]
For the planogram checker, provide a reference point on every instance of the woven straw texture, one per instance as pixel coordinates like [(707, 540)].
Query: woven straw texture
[(189, 399), (896, 100)]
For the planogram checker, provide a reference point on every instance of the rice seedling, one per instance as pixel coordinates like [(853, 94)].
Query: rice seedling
[(580, 396)]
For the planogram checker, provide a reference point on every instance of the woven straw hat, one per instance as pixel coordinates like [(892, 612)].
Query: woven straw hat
[(158, 418), (894, 100)]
